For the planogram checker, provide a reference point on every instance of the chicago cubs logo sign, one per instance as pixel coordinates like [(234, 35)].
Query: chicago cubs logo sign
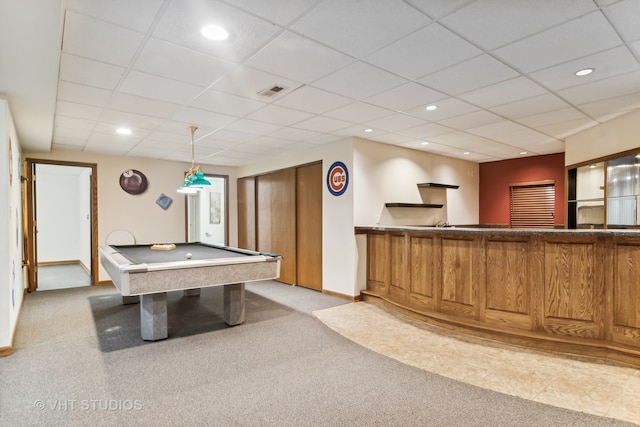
[(337, 178)]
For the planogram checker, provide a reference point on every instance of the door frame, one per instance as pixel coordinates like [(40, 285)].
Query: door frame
[(31, 228)]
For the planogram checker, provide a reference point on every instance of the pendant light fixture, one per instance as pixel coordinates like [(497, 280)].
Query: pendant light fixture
[(194, 179)]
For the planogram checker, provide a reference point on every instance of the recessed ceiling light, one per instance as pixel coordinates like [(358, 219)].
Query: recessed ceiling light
[(431, 107), (214, 32), (466, 152), (368, 130), (424, 143), (584, 72), (123, 131), (523, 152)]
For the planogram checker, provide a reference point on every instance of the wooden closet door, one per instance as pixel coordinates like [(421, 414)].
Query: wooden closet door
[(309, 225), (247, 213), (276, 219)]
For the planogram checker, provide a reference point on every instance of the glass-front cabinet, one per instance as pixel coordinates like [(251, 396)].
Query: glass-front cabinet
[(604, 194)]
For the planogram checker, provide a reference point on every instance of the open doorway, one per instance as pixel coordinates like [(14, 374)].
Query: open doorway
[(207, 212), (61, 222)]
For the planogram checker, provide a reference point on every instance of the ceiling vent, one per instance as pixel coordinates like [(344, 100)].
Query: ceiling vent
[(271, 91)]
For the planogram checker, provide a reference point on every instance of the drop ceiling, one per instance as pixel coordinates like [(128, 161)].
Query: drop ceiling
[(501, 72)]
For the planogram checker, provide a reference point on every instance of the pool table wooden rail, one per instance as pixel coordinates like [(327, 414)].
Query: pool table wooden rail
[(568, 291)]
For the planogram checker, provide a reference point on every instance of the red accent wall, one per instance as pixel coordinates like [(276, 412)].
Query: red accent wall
[(495, 178)]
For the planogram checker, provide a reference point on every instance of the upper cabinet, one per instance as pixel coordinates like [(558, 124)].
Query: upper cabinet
[(605, 193)]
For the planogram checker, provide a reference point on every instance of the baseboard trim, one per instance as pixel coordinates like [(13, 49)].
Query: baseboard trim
[(342, 296), (64, 262), (6, 351)]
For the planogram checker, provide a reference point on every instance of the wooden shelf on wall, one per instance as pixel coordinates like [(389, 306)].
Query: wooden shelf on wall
[(436, 185), (413, 205)]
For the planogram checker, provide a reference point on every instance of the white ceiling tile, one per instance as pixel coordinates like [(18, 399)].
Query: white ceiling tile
[(140, 105), (298, 58), (108, 144), (393, 138), (180, 63), (87, 72), (359, 131), (426, 131), (612, 107), (358, 81), (322, 124), (561, 130), (395, 122), (424, 52), (437, 8), (549, 147), (253, 126), (606, 64), (359, 112), (512, 20), (507, 132), (406, 97), (281, 12), (151, 153), (471, 120), (294, 134), (74, 123), (603, 89), (81, 94), (267, 141), (70, 109), (324, 139), (472, 74), (580, 37), (94, 39), (70, 136), (551, 117), (160, 88), (226, 103), (530, 106), (449, 107), (280, 115), (205, 120), (624, 16), (313, 100), (230, 136), (109, 129), (121, 118), (347, 26), (503, 92), (182, 20), (138, 15), (248, 82), (177, 130)]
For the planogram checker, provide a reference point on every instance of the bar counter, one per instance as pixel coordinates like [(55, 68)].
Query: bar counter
[(568, 291)]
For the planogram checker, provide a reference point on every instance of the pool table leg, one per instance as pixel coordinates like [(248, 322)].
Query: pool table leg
[(130, 300), (153, 316), (192, 292), (234, 304)]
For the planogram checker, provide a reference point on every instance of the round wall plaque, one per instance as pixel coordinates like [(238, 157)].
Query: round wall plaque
[(133, 181)]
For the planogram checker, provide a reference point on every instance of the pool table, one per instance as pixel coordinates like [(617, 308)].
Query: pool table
[(146, 275)]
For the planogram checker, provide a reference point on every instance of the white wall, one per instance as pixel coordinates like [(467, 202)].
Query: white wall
[(139, 214), (62, 198), (614, 136), (12, 279), (387, 173)]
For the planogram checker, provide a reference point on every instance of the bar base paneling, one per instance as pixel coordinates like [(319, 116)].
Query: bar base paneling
[(570, 291)]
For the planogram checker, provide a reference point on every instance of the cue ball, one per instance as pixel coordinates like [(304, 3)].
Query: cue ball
[(189, 255)]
